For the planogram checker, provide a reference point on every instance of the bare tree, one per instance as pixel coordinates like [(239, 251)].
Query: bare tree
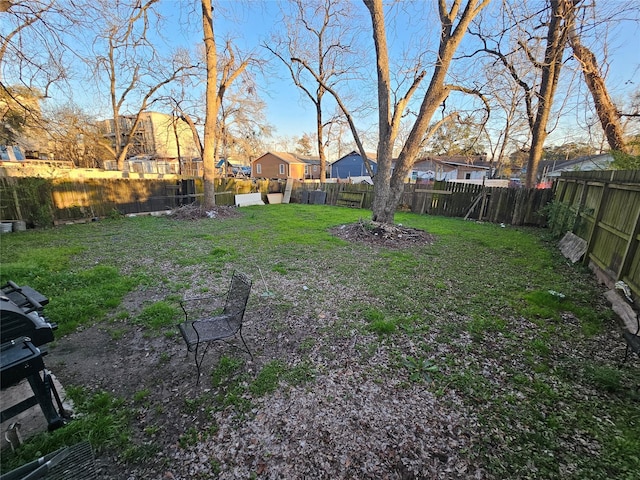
[(32, 62), (393, 105), (32, 45), (134, 72), (318, 38), (539, 90), (216, 88), (454, 22), (242, 124), (507, 124), (75, 136), (458, 135), (606, 110)]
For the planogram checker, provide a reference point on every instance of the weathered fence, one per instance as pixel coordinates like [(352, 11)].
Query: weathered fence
[(607, 208), (514, 206), (41, 202)]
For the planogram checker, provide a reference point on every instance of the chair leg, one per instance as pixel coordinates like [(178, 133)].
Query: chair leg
[(626, 354), (199, 363), (245, 345)]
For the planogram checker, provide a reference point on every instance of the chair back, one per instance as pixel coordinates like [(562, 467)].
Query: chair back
[(237, 297)]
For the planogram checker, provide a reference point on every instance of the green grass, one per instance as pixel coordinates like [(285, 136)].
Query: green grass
[(476, 316), (235, 389), (101, 418), (159, 315)]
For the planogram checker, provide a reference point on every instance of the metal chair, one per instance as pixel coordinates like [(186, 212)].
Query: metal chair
[(201, 327), (632, 339)]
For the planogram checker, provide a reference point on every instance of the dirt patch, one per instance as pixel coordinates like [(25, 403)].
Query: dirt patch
[(195, 212), (342, 424), (381, 234)]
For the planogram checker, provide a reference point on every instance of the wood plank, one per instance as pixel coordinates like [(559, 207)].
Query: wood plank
[(274, 198), (623, 310), (287, 191), (429, 190), (573, 247)]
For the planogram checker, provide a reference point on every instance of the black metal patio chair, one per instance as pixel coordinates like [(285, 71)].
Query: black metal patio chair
[(632, 339), (203, 326)]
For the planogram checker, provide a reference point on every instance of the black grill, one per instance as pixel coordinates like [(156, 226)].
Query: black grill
[(24, 333)]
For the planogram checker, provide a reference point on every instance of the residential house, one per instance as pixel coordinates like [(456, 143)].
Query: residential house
[(232, 168), (12, 153), (352, 165), (457, 167), (550, 169), (161, 142), (312, 167), (278, 165)]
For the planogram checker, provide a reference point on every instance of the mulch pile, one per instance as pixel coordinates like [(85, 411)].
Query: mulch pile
[(382, 234)]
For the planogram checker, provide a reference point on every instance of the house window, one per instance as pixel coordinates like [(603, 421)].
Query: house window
[(258, 168), (282, 169), (306, 169), (467, 176), (315, 168)]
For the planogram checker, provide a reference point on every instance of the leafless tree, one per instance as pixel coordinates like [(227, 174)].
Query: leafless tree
[(546, 54), (75, 136), (218, 82), (454, 22), (33, 43), (242, 123), (32, 62), (393, 104), (606, 110), (319, 36), (135, 73), (507, 125)]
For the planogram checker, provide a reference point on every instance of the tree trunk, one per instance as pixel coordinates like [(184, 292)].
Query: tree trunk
[(383, 209), (388, 186), (561, 10), (211, 109), (606, 110), (319, 135)]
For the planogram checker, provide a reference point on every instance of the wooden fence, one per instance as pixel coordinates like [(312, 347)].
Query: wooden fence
[(607, 207), (513, 206), (41, 202)]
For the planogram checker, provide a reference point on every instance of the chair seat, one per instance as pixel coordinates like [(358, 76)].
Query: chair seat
[(208, 329)]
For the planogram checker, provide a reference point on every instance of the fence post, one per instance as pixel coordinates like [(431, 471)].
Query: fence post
[(630, 250)]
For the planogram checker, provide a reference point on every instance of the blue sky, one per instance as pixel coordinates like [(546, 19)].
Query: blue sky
[(250, 23), (293, 115)]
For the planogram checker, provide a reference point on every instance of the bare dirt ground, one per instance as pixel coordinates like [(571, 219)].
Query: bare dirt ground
[(345, 423)]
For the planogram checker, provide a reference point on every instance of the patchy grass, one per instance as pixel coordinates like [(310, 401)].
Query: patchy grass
[(159, 315), (101, 418), (490, 320)]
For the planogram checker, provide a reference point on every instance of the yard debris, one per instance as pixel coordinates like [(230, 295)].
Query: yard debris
[(266, 292), (194, 211), (383, 234)]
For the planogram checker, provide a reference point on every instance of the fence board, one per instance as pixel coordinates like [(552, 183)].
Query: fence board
[(607, 205)]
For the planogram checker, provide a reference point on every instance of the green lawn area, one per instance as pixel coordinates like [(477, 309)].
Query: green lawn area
[(488, 321)]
